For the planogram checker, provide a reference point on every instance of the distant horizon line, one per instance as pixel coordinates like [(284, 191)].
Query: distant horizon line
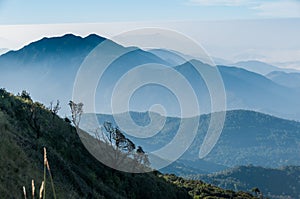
[(3, 51), (201, 115)]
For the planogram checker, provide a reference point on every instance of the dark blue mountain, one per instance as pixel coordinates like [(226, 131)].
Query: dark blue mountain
[(246, 90), (66, 51), (48, 69), (247, 138)]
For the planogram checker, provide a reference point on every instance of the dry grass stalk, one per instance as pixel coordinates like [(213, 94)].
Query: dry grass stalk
[(33, 188), (42, 193), (45, 156), (52, 184), (24, 192), (41, 190), (45, 165)]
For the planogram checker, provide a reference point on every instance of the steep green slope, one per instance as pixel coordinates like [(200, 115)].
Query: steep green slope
[(26, 127)]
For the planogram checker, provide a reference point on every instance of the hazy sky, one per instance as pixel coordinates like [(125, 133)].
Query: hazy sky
[(74, 11), (230, 29)]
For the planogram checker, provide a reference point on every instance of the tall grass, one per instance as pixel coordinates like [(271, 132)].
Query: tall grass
[(24, 192), (32, 188), (41, 190), (42, 193), (46, 164)]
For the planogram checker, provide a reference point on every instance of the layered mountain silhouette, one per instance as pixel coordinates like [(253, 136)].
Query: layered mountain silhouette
[(261, 67), (291, 80), (247, 138), (48, 68)]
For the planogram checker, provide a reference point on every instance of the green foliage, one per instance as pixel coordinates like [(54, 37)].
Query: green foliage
[(26, 127), (199, 189), (25, 95), (259, 180)]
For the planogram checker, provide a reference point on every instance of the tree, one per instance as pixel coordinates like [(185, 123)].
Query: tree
[(76, 110), (35, 117), (114, 137), (54, 108), (255, 190), (122, 146), (67, 120), (25, 95), (142, 157)]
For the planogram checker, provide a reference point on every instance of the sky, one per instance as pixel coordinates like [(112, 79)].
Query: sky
[(76, 11), (230, 29)]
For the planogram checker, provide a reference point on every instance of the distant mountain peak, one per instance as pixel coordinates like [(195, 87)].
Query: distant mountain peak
[(66, 50), (95, 37), (66, 36), (253, 61)]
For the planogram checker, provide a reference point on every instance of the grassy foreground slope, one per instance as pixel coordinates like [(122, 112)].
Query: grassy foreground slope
[(26, 127)]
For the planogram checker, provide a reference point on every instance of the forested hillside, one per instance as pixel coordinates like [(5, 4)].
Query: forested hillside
[(26, 127), (273, 183)]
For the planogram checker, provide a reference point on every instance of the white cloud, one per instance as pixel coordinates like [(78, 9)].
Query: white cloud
[(221, 2), (271, 8), (279, 9)]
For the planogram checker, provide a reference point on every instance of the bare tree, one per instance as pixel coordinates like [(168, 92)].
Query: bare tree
[(142, 157), (76, 110), (54, 108), (115, 138), (121, 147)]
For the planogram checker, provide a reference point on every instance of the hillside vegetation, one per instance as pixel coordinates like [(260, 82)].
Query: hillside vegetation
[(274, 183), (26, 127)]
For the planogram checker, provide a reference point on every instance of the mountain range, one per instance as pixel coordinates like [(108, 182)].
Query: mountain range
[(247, 138), (53, 63), (291, 80), (262, 68), (263, 142), (258, 96)]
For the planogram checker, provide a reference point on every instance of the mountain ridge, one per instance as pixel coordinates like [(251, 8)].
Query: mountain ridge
[(55, 64), (261, 67), (248, 137)]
